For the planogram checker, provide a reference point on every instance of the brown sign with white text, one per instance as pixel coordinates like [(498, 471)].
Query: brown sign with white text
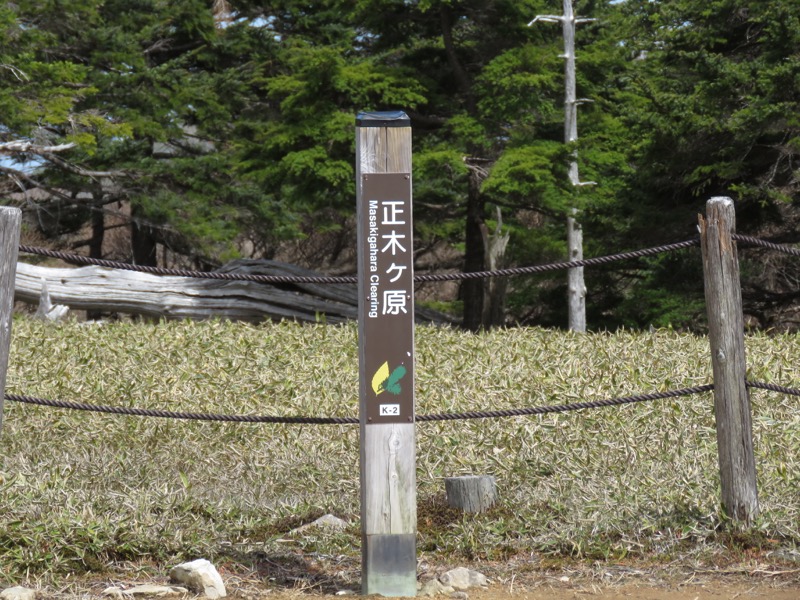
[(386, 308)]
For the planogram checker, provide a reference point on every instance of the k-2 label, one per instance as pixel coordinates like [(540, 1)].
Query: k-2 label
[(389, 410)]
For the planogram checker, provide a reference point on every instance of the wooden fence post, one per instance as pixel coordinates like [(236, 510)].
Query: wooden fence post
[(726, 335), (386, 355), (10, 223)]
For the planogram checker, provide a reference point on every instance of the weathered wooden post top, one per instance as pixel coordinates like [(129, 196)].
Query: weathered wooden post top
[(386, 354)]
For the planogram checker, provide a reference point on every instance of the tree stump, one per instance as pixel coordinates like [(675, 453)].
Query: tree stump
[(471, 493)]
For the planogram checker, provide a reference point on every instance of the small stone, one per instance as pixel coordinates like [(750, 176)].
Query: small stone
[(146, 591), (18, 593), (156, 591), (462, 579), (459, 596), (434, 587), (200, 576), (329, 522), (786, 555)]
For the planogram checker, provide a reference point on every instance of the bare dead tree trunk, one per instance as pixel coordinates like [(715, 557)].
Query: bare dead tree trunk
[(96, 246), (98, 231), (472, 290), (576, 288), (143, 243), (484, 300), (494, 309)]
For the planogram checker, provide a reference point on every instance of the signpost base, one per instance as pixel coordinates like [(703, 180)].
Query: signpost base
[(390, 565)]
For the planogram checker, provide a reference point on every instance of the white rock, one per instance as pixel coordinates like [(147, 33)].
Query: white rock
[(156, 591), (146, 591), (459, 596), (18, 593), (199, 576), (434, 587), (462, 579), (328, 521), (48, 311)]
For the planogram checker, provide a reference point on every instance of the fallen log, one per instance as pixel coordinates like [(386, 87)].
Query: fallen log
[(160, 296)]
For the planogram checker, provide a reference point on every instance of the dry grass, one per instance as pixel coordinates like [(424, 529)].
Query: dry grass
[(82, 492)]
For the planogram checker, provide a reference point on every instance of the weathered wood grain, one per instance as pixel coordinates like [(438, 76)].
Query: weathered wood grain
[(388, 451), (726, 336), (471, 493), (159, 296), (10, 223)]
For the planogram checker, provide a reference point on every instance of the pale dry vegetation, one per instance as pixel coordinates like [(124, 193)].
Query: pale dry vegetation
[(90, 492)]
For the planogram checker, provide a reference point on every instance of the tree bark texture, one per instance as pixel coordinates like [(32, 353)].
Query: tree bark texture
[(726, 336), (158, 296), (472, 290), (494, 304), (10, 224), (143, 243), (575, 282), (471, 493)]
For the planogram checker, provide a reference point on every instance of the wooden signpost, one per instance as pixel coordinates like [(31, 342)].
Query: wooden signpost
[(10, 224), (386, 354)]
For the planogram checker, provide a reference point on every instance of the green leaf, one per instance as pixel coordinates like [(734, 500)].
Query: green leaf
[(392, 384)]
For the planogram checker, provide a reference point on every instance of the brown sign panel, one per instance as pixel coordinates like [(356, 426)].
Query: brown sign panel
[(386, 304)]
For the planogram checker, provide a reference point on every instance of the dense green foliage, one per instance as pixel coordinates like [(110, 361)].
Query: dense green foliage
[(223, 130)]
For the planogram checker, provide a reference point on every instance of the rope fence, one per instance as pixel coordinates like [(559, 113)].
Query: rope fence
[(731, 400), (79, 259), (290, 420), (273, 279)]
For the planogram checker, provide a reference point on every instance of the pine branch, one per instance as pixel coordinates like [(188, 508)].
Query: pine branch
[(31, 148)]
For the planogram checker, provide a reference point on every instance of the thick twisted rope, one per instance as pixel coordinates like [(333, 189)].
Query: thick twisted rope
[(78, 259), (558, 266), (773, 388), (491, 414), (510, 272), (85, 260), (518, 412), (754, 241), (559, 408), (169, 414)]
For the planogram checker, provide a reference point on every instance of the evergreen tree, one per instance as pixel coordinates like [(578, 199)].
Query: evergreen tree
[(710, 104), (220, 122), (149, 92)]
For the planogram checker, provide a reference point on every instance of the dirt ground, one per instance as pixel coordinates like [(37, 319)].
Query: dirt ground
[(715, 591), (710, 589), (600, 581)]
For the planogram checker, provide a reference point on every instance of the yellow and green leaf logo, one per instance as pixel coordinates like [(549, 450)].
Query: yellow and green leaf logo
[(383, 381)]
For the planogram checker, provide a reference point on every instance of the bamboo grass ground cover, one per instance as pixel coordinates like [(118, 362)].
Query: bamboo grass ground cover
[(83, 492)]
